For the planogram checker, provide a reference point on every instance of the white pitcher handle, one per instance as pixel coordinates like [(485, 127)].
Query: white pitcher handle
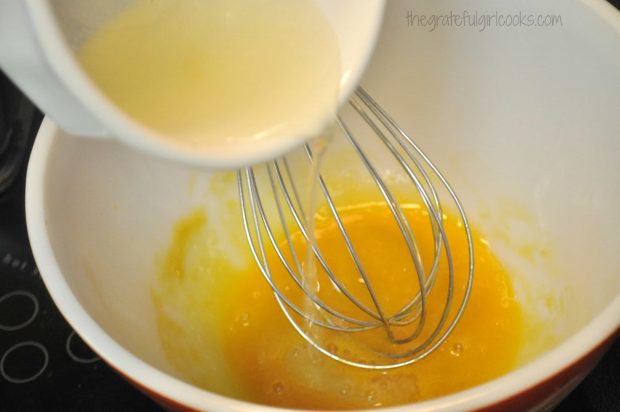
[(23, 61)]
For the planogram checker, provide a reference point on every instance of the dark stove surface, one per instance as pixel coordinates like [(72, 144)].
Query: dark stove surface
[(44, 366)]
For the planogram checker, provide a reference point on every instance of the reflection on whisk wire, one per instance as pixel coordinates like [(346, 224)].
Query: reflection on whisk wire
[(261, 230)]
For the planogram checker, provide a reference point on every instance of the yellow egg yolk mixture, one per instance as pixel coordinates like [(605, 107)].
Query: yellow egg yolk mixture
[(261, 358)]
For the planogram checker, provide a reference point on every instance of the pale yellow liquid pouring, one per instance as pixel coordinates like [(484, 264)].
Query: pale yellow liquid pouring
[(202, 72)]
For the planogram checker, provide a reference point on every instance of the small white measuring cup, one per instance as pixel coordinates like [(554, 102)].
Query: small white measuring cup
[(39, 38)]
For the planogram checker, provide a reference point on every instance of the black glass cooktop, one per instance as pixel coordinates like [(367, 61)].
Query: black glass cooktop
[(45, 366)]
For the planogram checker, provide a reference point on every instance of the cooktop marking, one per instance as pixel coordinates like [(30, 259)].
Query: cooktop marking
[(19, 380), (12, 296)]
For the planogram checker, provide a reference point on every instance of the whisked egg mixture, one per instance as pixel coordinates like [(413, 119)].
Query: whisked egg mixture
[(222, 329)]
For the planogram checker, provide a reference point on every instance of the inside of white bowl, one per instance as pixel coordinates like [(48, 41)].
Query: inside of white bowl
[(522, 121)]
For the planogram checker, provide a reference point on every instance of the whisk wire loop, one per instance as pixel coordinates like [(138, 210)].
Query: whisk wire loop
[(257, 246), (300, 221), (284, 198)]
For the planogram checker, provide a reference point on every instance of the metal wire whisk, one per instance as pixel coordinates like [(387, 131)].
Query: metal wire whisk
[(271, 207)]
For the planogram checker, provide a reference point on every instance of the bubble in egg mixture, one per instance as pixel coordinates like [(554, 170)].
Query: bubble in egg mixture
[(332, 348), (243, 319), (456, 349), (371, 397), (278, 388)]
